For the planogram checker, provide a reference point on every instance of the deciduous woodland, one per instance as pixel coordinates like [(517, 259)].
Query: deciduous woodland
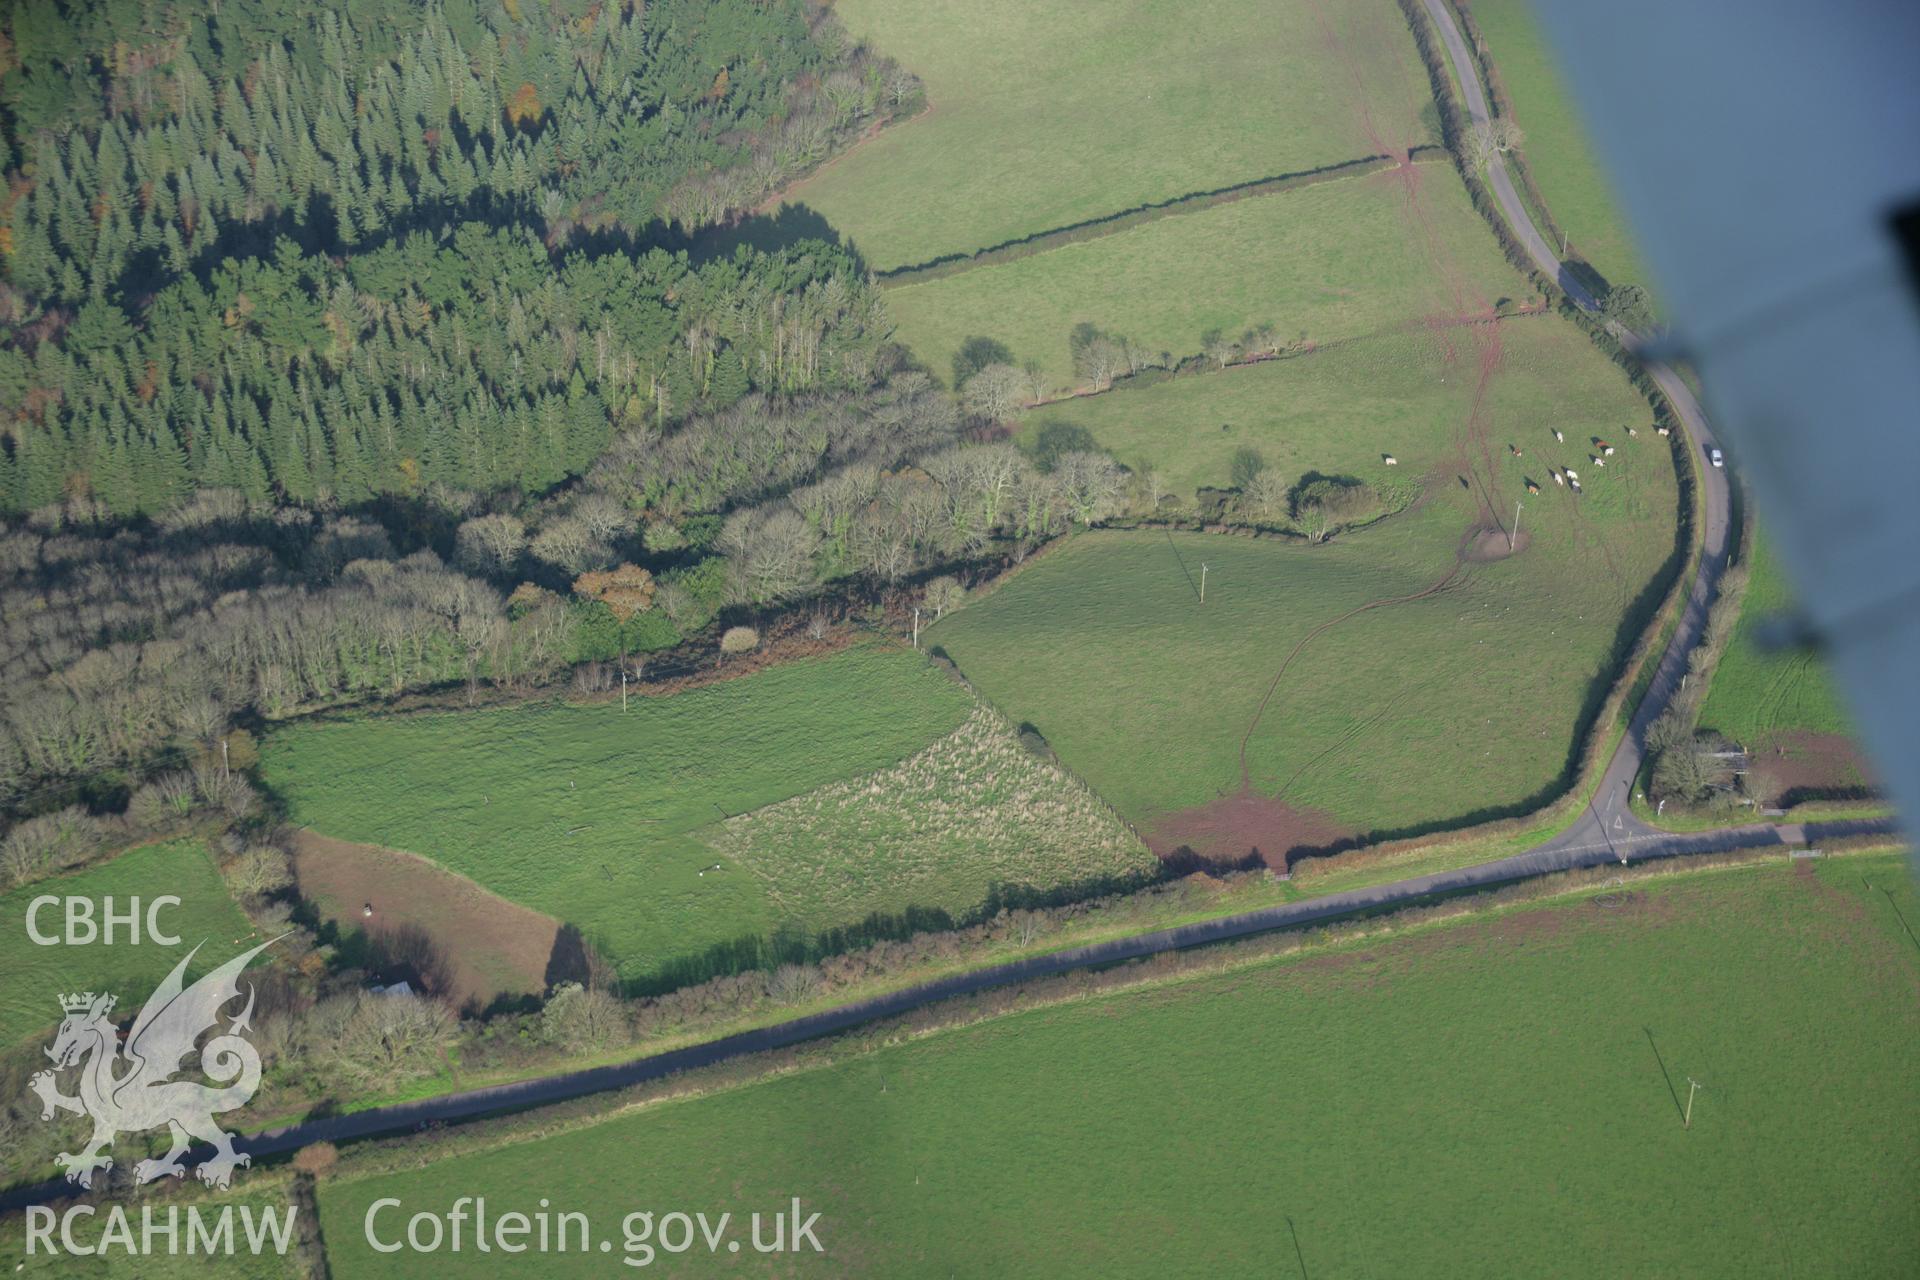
[(323, 332)]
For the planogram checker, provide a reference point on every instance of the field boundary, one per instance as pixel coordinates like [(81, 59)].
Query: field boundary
[(1622, 700), (1577, 264), (1126, 219), (384, 1156)]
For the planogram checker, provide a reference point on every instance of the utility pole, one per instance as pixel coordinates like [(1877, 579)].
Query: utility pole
[(1203, 582), (623, 690), (1693, 1087), (225, 772), (1516, 526), (916, 626)]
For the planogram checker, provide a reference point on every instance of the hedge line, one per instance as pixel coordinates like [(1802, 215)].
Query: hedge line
[(1110, 224), (419, 1151)]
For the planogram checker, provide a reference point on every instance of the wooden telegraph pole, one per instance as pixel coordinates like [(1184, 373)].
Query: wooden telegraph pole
[(1203, 581), (1516, 526), (623, 688), (916, 626), (1693, 1087)]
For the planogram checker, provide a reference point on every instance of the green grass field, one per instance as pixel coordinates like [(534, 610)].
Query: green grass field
[(1500, 1096), (1757, 694), (1330, 261), (593, 815), (37, 975), (1046, 115), (1406, 716), (1338, 410), (1557, 148)]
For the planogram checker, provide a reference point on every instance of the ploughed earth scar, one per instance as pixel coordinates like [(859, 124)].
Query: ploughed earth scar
[(1244, 829), (1795, 766), (465, 943)]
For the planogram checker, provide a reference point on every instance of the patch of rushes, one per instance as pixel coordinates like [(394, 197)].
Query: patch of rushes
[(592, 814), (946, 827)]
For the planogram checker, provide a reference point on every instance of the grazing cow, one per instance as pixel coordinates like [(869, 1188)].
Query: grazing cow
[(1666, 431), (1559, 435), (1514, 449), (1389, 459), (1532, 487), (1606, 450), (1596, 460), (1558, 478), (1573, 476), (1634, 432), (1575, 484)]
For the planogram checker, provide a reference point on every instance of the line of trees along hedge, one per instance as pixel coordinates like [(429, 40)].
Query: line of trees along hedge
[(322, 253)]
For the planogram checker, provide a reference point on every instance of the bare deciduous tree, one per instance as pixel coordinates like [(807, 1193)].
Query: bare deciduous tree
[(1090, 484), (944, 593), (490, 545), (770, 553), (1219, 348), (582, 1018), (1497, 137), (994, 392)]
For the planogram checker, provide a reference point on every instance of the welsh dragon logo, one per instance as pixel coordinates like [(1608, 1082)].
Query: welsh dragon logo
[(129, 1089)]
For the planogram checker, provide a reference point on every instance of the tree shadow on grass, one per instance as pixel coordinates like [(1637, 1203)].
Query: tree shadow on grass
[(765, 952), (769, 233)]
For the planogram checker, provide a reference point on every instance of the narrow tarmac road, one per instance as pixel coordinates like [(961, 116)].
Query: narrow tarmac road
[(1609, 817)]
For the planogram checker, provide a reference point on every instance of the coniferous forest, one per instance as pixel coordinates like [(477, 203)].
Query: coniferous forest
[(331, 253), (355, 350)]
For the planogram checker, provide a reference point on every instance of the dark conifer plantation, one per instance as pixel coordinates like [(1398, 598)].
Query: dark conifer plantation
[(320, 253)]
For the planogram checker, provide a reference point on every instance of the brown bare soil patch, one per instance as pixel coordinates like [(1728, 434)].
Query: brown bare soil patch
[(1482, 546), (1794, 767), (486, 945), (1246, 828)]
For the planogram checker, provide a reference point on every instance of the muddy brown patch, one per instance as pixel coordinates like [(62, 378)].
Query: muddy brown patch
[(1245, 829), (487, 945), (1796, 766), (1482, 545)]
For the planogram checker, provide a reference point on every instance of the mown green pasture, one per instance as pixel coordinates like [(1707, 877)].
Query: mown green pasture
[(1499, 1096), (1047, 115), (1759, 693), (36, 976), (1322, 263), (1340, 409), (1413, 715), (591, 814), (1558, 149)]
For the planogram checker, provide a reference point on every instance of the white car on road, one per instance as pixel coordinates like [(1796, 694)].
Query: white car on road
[(1716, 458)]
